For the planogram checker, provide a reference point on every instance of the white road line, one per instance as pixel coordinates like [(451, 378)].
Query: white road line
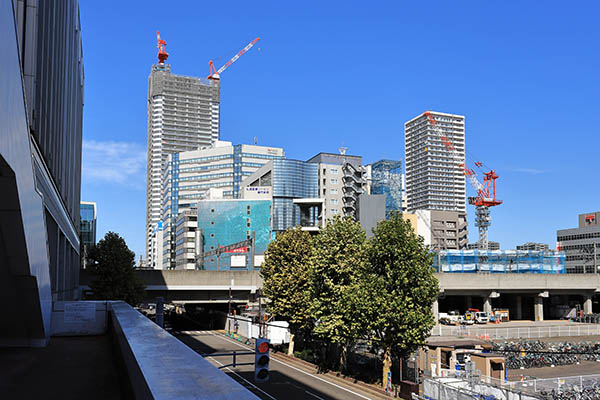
[(312, 394), (244, 379), (297, 369)]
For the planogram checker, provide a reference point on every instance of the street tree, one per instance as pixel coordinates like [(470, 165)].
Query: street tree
[(338, 298), (285, 279), (401, 270), (113, 266)]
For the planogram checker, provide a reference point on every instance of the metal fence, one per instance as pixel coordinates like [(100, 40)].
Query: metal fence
[(516, 333), (569, 387), (483, 388)]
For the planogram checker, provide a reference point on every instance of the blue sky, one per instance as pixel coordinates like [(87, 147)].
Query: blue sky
[(325, 74)]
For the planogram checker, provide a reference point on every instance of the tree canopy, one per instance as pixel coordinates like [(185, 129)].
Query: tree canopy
[(113, 265), (401, 266)]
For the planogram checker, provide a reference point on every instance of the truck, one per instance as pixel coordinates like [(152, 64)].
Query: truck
[(449, 318), (481, 317)]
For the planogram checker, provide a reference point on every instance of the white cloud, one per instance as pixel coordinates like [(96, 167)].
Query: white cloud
[(114, 162)]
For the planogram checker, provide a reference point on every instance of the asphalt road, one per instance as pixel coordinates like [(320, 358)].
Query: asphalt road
[(286, 381)]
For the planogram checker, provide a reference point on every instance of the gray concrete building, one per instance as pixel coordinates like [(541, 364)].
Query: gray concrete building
[(491, 246), (582, 244), (371, 210), (183, 115), (533, 246), (434, 178), (443, 230), (41, 93), (342, 179)]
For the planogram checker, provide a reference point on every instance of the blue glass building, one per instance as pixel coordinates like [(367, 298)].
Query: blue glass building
[(87, 223), (386, 179), (226, 222)]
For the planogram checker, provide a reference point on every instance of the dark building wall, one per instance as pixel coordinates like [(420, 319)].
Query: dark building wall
[(51, 56)]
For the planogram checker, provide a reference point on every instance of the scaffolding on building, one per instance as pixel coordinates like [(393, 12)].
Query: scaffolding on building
[(501, 261)]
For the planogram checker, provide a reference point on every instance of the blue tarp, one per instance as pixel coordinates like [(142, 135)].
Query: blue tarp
[(503, 261)]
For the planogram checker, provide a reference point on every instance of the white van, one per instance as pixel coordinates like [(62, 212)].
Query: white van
[(481, 317)]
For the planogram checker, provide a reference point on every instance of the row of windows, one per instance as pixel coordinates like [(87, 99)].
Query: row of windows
[(208, 158), (592, 235)]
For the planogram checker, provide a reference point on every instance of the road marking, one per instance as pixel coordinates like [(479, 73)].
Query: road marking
[(294, 368), (244, 379), (312, 394)]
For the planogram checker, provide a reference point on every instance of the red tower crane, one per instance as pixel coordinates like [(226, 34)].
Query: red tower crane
[(216, 75), (162, 54), (486, 192)]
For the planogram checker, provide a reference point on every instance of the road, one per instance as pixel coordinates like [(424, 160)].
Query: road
[(286, 381)]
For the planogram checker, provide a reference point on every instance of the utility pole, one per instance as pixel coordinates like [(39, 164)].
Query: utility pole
[(259, 314), (252, 251)]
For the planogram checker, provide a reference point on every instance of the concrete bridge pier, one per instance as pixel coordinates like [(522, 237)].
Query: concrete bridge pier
[(518, 307), (538, 305), (587, 304), (435, 308)]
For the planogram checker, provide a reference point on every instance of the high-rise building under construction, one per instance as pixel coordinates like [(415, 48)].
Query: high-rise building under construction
[(183, 115)]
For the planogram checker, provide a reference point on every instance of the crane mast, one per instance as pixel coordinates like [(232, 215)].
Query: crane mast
[(486, 192), (162, 54)]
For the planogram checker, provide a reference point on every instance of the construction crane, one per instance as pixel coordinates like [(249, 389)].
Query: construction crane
[(486, 192), (162, 54), (216, 75)]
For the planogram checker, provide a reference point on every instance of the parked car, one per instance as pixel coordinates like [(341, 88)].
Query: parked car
[(482, 317)]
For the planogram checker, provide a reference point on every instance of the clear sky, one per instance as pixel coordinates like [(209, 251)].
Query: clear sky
[(330, 73)]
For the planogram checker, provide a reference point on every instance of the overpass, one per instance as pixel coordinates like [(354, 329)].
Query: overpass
[(527, 296)]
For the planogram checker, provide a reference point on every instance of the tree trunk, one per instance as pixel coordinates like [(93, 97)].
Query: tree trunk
[(387, 365), (291, 345), (343, 357)]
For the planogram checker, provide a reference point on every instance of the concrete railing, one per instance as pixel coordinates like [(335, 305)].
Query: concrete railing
[(159, 366), (533, 332)]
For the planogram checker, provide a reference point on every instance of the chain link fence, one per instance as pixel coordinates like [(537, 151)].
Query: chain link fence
[(518, 333)]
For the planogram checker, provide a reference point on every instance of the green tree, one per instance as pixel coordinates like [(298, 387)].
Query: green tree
[(285, 279), (336, 284), (406, 287), (113, 265)]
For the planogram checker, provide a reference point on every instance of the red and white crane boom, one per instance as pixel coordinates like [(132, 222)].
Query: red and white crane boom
[(486, 192), (214, 74)]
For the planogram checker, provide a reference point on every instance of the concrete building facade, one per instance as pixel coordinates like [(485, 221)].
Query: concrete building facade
[(183, 115), (582, 244), (342, 179), (434, 178), (189, 176), (492, 246), (87, 225), (534, 246), (441, 230), (41, 92)]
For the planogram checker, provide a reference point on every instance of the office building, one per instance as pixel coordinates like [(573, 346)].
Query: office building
[(492, 246), (342, 178), (295, 191), (582, 244), (386, 178), (234, 234), (534, 246), (87, 224), (183, 115), (441, 230), (188, 178), (434, 178), (41, 92)]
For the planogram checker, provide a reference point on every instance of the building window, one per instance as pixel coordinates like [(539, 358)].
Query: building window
[(334, 201), (212, 210), (212, 222), (248, 235), (334, 211), (248, 210), (324, 192), (334, 171), (333, 191), (324, 171), (324, 181), (248, 222), (334, 181)]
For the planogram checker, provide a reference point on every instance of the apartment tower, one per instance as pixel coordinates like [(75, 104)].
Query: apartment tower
[(183, 115), (434, 178)]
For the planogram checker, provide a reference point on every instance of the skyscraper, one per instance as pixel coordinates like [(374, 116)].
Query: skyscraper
[(183, 115), (434, 178)]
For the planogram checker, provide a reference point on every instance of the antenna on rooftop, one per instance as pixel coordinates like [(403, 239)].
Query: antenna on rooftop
[(343, 150)]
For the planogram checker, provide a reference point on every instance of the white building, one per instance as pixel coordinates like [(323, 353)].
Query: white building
[(188, 177), (183, 115), (434, 178)]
